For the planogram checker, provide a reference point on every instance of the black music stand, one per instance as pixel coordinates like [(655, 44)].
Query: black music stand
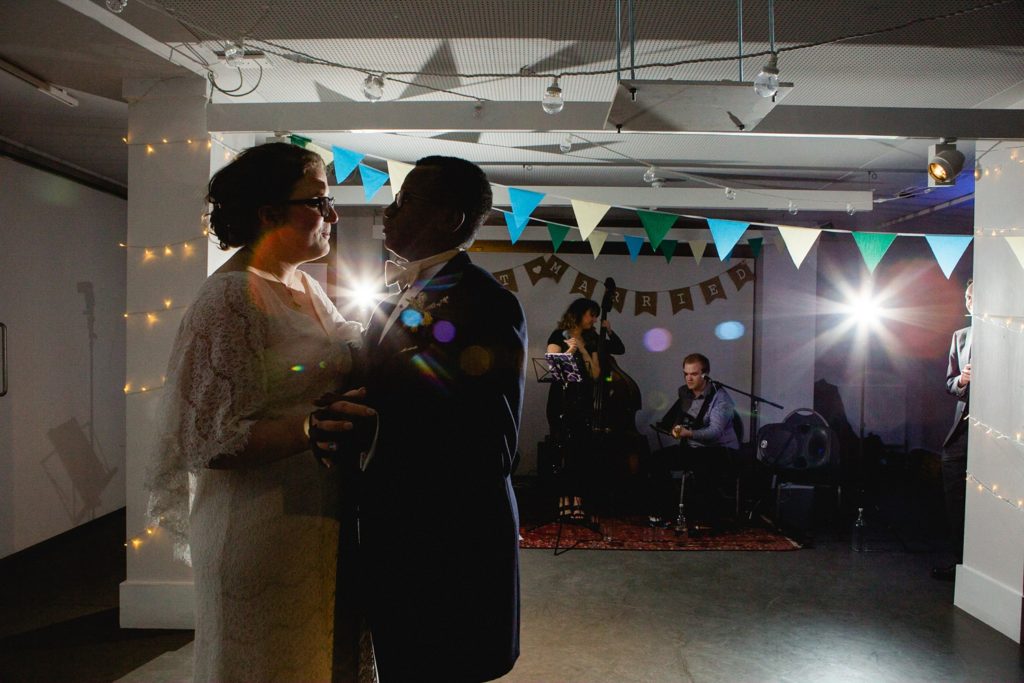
[(558, 368)]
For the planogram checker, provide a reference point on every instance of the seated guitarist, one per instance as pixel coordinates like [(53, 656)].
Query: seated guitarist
[(703, 419)]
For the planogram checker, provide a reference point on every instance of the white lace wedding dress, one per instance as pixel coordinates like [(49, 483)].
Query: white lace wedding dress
[(263, 540)]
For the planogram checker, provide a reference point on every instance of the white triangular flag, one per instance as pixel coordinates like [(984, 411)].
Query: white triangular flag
[(1016, 243), (596, 240), (799, 241), (588, 215), (397, 170), (698, 247)]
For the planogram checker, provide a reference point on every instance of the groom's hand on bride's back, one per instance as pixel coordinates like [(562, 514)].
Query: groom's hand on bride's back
[(343, 424)]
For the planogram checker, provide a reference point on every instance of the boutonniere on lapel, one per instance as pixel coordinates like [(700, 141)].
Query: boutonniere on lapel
[(421, 313)]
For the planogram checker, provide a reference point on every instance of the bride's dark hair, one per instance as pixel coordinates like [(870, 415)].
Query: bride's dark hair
[(260, 176)]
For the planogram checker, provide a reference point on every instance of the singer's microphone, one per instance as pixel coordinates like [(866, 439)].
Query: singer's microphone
[(566, 334)]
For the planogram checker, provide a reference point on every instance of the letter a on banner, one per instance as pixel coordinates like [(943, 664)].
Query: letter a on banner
[(584, 285)]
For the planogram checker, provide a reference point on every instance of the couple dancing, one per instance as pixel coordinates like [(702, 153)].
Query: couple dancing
[(438, 375)]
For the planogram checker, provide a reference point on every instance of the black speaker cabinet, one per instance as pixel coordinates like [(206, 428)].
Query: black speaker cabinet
[(794, 507)]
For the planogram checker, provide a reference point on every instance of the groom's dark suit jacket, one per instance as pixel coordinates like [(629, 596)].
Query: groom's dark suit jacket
[(957, 360), (438, 519)]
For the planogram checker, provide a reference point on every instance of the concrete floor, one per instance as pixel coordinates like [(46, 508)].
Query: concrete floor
[(820, 614)]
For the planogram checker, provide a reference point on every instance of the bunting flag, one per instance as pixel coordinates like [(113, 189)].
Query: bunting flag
[(523, 203), (668, 249), (537, 269), (588, 215), (596, 240), (726, 234), (507, 278), (558, 233), (698, 247), (618, 299), (555, 268), (515, 229), (584, 285), (1016, 243), (398, 170), (798, 241), (948, 249), (873, 246), (372, 179), (755, 245), (633, 243), (740, 274), (647, 302), (345, 161), (681, 299), (712, 289), (656, 225)]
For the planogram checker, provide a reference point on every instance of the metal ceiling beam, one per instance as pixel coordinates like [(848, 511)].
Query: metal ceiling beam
[(582, 117), (663, 198)]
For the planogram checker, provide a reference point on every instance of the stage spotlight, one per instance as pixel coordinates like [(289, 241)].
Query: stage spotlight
[(945, 163), (864, 310), (364, 295)]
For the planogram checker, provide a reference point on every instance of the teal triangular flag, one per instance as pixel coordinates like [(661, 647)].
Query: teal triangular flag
[(558, 233), (633, 243), (656, 224), (726, 234), (668, 248), (755, 245), (373, 180), (523, 203), (345, 161), (515, 228), (948, 249), (873, 246)]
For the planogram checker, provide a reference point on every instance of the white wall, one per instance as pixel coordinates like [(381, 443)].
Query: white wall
[(989, 582), (58, 237)]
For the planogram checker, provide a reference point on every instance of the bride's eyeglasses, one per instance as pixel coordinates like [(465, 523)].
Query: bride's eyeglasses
[(322, 204)]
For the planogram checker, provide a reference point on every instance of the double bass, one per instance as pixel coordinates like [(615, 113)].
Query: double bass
[(616, 401)]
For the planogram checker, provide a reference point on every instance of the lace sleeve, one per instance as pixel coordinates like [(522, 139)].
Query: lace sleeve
[(214, 392)]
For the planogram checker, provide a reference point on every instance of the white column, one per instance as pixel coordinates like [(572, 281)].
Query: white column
[(988, 583), (168, 168)]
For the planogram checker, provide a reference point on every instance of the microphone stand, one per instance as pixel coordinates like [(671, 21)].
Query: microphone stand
[(754, 398)]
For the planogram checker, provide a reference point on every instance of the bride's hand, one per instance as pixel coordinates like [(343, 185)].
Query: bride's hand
[(334, 409)]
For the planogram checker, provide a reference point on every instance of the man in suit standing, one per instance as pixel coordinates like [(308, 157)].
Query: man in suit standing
[(954, 448), (439, 525)]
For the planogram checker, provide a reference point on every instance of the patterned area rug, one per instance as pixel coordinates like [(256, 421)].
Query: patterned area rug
[(635, 534)]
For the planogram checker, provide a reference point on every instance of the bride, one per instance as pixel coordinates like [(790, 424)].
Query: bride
[(260, 342)]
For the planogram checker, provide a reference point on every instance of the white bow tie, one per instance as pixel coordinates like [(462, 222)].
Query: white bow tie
[(404, 274)]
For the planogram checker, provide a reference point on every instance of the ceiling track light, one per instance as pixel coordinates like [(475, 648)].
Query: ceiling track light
[(552, 102), (56, 92), (373, 87), (979, 172), (116, 6), (945, 162), (651, 174), (565, 146)]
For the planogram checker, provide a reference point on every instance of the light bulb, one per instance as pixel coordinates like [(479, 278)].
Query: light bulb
[(766, 83), (373, 87), (552, 101), (117, 6), (650, 174), (730, 193), (793, 209), (657, 183), (850, 210), (234, 55), (565, 146), (978, 170)]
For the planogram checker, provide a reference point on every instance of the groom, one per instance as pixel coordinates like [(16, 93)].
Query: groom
[(438, 519)]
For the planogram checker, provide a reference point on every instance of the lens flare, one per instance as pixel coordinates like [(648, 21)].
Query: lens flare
[(657, 339), (411, 317), (730, 330), (444, 331)]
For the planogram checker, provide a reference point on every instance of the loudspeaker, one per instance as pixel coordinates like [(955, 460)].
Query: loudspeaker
[(793, 507)]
